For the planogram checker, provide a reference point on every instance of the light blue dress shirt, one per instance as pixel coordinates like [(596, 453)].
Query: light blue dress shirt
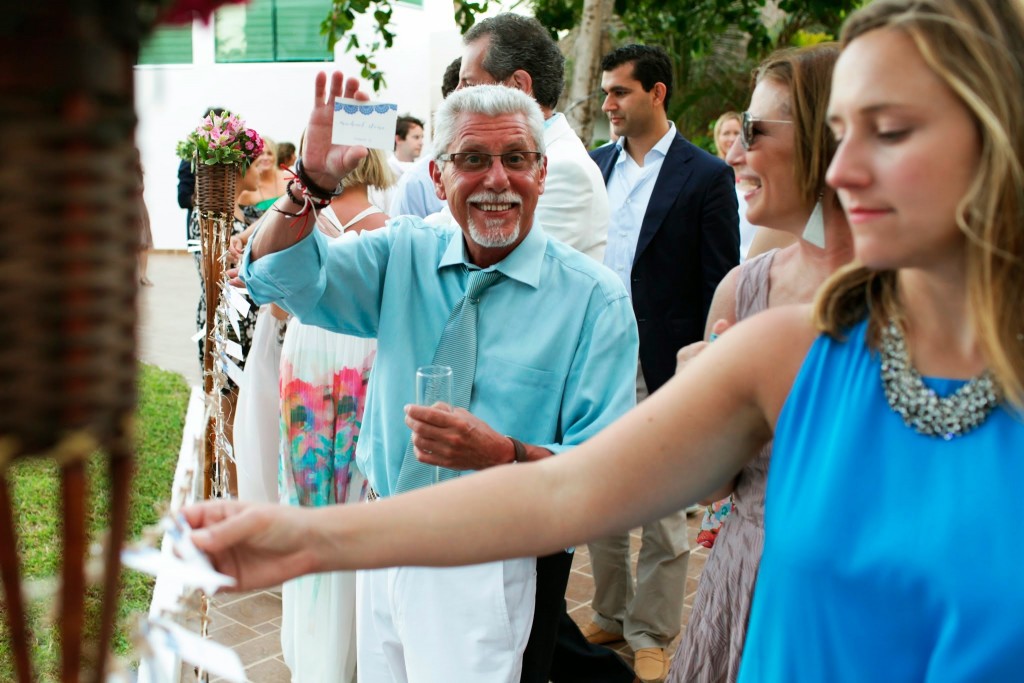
[(629, 192), (557, 340)]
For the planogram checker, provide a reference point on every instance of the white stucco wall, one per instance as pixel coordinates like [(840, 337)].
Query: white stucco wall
[(274, 98)]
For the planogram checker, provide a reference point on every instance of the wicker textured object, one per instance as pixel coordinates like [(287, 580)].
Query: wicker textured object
[(68, 239), (215, 188)]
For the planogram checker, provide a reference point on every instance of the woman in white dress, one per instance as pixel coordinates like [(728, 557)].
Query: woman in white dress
[(324, 377)]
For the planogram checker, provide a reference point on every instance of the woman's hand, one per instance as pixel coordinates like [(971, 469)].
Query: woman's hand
[(690, 351), (257, 545), (236, 247), (235, 278), (279, 313)]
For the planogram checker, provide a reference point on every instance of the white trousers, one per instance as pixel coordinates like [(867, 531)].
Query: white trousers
[(430, 625)]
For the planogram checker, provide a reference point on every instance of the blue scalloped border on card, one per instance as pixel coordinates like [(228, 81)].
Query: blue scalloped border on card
[(370, 124), (365, 109)]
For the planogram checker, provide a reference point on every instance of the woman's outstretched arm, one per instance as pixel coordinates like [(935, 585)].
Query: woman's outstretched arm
[(680, 444)]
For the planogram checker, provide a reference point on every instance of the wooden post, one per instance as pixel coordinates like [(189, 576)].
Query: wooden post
[(9, 573)]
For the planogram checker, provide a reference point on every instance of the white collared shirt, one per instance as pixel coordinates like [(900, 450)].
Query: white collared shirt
[(629, 192)]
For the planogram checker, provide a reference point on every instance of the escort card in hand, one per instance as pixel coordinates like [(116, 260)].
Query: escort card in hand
[(370, 124)]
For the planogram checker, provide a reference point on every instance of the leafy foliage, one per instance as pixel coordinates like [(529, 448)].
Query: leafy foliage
[(714, 44), (466, 13), (342, 19)]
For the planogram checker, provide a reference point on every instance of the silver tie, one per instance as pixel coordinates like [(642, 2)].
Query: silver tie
[(456, 349)]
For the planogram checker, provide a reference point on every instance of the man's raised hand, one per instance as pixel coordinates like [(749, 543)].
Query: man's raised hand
[(327, 163)]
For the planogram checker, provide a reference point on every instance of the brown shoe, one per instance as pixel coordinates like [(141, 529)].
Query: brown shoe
[(650, 665), (596, 635)]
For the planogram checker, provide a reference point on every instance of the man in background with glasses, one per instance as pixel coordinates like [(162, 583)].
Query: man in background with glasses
[(551, 336), (673, 236)]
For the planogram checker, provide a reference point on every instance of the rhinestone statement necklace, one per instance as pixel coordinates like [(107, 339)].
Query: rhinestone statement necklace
[(920, 407)]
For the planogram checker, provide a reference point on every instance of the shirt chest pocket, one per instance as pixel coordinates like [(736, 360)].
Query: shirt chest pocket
[(523, 401)]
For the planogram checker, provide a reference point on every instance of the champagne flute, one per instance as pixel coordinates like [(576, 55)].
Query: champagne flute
[(434, 385)]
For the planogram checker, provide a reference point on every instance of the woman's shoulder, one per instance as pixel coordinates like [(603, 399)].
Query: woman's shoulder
[(780, 330), (248, 197), (371, 221), (772, 345)]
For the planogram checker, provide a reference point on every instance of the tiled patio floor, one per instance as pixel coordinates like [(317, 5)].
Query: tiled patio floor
[(250, 623)]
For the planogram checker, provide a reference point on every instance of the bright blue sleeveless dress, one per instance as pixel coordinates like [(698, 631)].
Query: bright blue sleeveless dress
[(888, 556)]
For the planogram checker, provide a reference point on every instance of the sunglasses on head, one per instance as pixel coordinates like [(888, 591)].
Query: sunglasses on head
[(747, 131)]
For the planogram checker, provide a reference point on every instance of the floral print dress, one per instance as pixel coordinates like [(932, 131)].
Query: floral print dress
[(324, 376)]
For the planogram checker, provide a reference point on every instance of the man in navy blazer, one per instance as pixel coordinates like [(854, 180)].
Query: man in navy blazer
[(673, 236)]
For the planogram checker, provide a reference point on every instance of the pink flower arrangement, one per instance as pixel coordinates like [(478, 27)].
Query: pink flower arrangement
[(223, 139)]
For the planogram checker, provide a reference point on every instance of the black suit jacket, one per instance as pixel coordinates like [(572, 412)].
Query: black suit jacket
[(689, 240), (186, 189)]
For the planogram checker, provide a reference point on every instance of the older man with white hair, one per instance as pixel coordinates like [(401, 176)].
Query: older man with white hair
[(541, 340)]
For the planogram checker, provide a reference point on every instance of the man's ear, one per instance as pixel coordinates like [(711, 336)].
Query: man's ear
[(435, 175), (520, 80), (658, 92), (398, 138)]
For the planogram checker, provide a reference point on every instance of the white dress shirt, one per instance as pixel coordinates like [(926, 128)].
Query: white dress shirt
[(629, 192)]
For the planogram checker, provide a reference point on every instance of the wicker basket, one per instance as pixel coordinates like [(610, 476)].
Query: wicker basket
[(215, 188)]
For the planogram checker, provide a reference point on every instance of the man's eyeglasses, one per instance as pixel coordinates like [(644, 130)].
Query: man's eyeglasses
[(747, 131), (472, 162)]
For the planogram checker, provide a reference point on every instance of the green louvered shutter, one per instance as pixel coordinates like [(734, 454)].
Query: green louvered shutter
[(167, 45), (272, 31)]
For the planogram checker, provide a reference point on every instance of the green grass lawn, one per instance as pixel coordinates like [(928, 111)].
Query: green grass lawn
[(35, 489)]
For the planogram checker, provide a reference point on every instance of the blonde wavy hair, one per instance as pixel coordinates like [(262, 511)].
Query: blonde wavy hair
[(272, 146), (372, 171), (977, 48)]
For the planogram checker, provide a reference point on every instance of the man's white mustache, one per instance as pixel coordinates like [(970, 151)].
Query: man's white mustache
[(507, 197)]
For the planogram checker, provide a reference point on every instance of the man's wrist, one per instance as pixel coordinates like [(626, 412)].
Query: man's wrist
[(518, 450), (318, 188)]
